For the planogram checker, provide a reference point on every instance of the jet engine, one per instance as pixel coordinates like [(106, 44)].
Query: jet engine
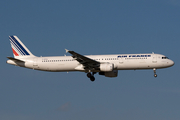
[(113, 73), (106, 67)]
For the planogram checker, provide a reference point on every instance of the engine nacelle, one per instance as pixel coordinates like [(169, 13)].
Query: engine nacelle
[(106, 67), (113, 73)]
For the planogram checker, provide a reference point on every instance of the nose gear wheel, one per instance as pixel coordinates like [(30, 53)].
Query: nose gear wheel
[(155, 75)]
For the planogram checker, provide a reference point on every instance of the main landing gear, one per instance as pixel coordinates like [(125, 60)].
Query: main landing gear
[(91, 76), (155, 75)]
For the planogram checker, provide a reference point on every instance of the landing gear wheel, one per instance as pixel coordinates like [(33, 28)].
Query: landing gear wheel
[(155, 75), (92, 78), (89, 75)]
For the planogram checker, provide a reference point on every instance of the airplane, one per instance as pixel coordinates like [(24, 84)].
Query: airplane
[(106, 65)]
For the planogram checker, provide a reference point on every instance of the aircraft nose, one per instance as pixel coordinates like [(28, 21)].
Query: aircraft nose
[(171, 63)]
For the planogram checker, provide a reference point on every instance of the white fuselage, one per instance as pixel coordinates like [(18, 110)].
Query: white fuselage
[(107, 65), (120, 62)]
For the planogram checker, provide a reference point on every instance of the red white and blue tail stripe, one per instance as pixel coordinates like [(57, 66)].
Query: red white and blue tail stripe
[(18, 48)]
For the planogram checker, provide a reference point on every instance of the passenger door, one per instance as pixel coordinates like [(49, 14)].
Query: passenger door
[(154, 59)]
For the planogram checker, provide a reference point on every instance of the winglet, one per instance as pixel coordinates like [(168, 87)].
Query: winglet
[(67, 50)]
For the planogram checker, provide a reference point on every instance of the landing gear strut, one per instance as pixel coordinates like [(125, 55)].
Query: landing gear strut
[(91, 76), (155, 75)]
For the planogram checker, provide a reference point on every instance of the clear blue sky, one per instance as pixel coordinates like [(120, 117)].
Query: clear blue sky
[(90, 27)]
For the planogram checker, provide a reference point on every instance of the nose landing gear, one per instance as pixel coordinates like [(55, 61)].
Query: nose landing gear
[(91, 76), (155, 75)]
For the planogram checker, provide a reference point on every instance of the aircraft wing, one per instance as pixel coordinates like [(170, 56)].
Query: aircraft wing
[(88, 63)]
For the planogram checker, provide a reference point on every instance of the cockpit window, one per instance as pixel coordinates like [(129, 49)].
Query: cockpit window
[(165, 58)]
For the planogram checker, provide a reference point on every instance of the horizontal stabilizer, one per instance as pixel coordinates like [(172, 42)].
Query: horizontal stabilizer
[(15, 60)]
